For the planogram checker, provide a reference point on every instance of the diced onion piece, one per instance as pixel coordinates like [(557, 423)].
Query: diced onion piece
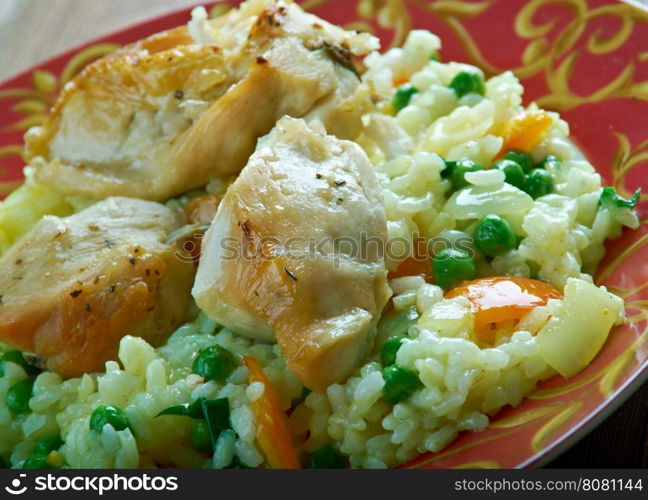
[(475, 202), (492, 178), (577, 331)]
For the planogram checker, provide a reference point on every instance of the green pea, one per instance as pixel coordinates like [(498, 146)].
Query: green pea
[(47, 445), (403, 96), (513, 172), (214, 363), (520, 157), (452, 266), (17, 357), (400, 384), (107, 414), (538, 183), (37, 462), (467, 82), (18, 396), (494, 236), (389, 350), (200, 437), (456, 171), (327, 458)]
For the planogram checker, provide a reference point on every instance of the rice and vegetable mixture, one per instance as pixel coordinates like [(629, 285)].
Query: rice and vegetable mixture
[(436, 369)]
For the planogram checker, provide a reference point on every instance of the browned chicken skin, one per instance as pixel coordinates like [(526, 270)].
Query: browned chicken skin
[(167, 114), (321, 306), (72, 287)]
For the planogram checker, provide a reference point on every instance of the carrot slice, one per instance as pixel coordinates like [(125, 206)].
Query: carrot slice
[(418, 265), (501, 301), (272, 427), (525, 130), (413, 267)]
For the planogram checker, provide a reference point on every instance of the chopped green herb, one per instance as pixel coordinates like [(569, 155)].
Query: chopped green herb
[(610, 199), (193, 410), (214, 412), (217, 416), (200, 437)]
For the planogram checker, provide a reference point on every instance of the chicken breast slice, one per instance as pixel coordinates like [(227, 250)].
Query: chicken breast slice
[(166, 114), (73, 286), (295, 252)]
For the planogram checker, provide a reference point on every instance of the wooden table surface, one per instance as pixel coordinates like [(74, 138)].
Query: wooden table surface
[(31, 31)]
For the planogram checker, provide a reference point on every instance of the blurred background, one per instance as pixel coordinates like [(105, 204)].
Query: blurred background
[(32, 31)]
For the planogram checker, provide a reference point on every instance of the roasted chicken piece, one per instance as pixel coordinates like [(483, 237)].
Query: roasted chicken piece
[(295, 252), (73, 286), (167, 114)]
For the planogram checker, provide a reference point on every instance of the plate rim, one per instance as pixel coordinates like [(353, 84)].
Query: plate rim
[(603, 411)]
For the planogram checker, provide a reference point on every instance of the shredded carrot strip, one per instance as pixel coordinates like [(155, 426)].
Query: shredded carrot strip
[(272, 428)]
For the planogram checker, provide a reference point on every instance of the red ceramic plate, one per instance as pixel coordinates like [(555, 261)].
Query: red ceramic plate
[(587, 59)]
